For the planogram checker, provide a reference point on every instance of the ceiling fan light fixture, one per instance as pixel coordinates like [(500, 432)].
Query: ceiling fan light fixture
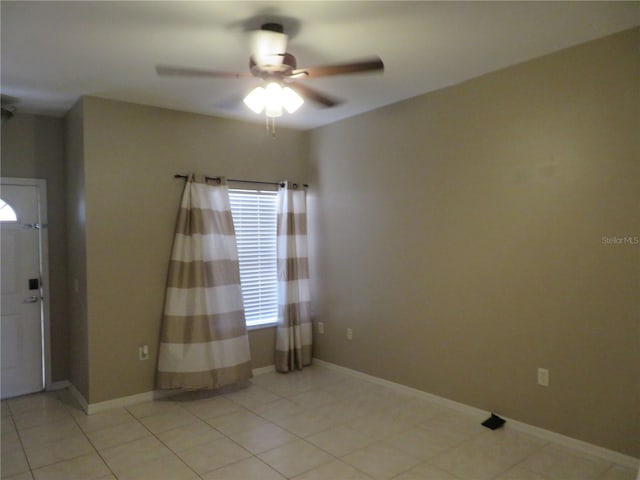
[(273, 100), (256, 99), (268, 47), (291, 100)]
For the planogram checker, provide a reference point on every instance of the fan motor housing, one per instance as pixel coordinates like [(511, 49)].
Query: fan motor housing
[(272, 27), (288, 65)]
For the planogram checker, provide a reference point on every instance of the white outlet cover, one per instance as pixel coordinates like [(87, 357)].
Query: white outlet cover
[(143, 352), (543, 377)]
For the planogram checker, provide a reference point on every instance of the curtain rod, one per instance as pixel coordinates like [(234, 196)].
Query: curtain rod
[(279, 184)]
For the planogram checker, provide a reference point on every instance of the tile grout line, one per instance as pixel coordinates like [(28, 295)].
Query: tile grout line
[(280, 397), (24, 450), (537, 450), (229, 438), (301, 437), (160, 440), (252, 455), (96, 451), (342, 416), (91, 443), (343, 423), (269, 421), (22, 446), (383, 442)]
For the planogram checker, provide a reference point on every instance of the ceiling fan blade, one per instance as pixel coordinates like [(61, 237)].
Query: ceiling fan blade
[(367, 65), (314, 95), (166, 70), (231, 102)]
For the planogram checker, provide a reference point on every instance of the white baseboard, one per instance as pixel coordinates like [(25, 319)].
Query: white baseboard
[(579, 445), (91, 408), (75, 393), (263, 370), (61, 385), (129, 400)]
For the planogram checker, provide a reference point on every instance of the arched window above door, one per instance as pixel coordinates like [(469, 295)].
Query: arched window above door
[(7, 213)]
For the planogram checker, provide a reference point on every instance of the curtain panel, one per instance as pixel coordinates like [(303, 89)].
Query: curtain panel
[(293, 333), (204, 341)]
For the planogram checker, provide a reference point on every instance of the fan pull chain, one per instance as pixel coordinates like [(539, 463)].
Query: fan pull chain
[(271, 126)]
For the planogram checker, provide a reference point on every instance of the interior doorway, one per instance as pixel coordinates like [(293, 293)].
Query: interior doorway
[(24, 279)]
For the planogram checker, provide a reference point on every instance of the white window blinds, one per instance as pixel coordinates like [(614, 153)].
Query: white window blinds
[(254, 218)]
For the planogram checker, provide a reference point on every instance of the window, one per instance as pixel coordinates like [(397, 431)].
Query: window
[(7, 214), (254, 218)]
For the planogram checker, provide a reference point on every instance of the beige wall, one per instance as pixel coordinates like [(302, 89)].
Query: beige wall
[(76, 237), (262, 344), (459, 234), (33, 147), (131, 153)]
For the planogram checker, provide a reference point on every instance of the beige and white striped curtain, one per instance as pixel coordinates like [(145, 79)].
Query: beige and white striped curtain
[(293, 335), (204, 342)]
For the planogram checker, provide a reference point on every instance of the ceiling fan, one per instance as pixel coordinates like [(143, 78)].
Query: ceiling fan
[(271, 62)]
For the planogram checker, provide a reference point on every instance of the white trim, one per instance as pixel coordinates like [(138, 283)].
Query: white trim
[(129, 400), (61, 385), (260, 326), (584, 447), (91, 408), (41, 184), (46, 286), (579, 445), (262, 370), (75, 393)]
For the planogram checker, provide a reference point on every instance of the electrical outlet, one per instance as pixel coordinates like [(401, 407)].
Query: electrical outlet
[(349, 334), (321, 327), (543, 377), (143, 352)]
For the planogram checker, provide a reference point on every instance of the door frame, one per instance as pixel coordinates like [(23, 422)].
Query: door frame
[(43, 241)]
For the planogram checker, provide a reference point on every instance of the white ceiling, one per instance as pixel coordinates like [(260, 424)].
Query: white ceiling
[(54, 52)]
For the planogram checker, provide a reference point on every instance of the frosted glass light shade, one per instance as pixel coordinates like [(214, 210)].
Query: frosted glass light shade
[(256, 99), (291, 100), (273, 99), (273, 103), (268, 47)]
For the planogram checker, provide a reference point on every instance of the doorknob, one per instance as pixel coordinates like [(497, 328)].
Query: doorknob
[(31, 299)]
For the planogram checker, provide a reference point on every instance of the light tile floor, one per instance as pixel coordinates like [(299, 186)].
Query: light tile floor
[(311, 425)]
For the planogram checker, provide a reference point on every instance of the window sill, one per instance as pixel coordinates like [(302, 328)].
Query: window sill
[(261, 326)]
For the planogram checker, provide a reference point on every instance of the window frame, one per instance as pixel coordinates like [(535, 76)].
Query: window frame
[(266, 321)]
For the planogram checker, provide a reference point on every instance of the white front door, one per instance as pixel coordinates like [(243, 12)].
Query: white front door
[(21, 315)]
